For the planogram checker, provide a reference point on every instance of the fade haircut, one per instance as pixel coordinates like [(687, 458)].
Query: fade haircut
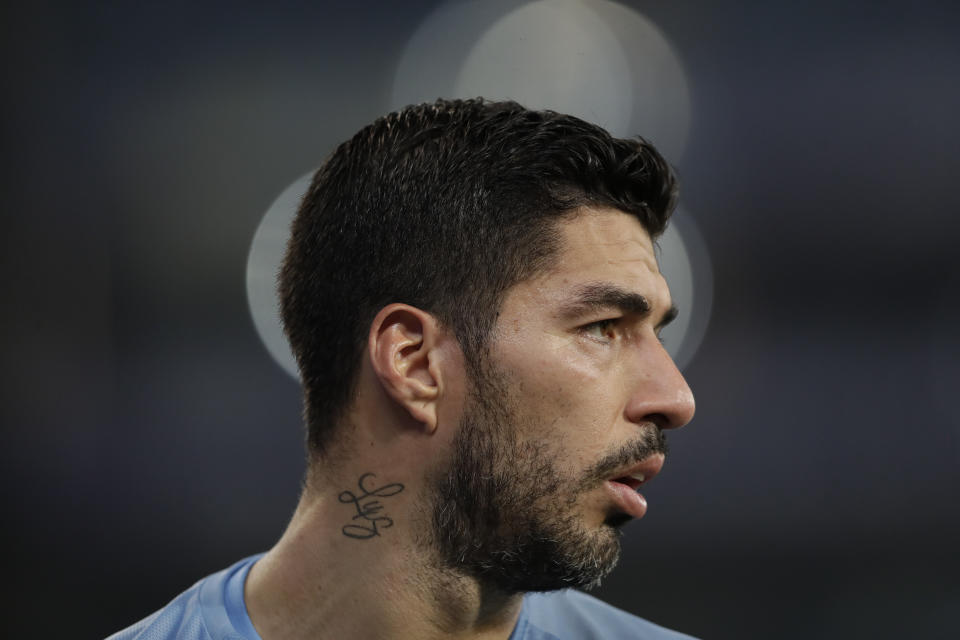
[(443, 206)]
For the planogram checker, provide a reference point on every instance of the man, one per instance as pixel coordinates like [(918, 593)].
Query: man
[(472, 296)]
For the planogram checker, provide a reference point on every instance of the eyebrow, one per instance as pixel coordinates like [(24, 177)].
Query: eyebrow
[(599, 296)]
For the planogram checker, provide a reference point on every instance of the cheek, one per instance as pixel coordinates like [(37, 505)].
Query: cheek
[(567, 390), (556, 387), (577, 374), (573, 405)]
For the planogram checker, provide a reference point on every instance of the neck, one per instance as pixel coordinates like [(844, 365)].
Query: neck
[(354, 564)]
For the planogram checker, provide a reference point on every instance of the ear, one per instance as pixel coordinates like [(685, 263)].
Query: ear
[(403, 346)]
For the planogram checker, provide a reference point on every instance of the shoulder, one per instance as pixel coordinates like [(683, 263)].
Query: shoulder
[(180, 619), (212, 609), (569, 614)]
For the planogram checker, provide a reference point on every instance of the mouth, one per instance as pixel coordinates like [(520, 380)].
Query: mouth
[(624, 486)]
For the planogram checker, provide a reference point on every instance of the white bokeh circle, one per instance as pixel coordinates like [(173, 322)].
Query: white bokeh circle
[(263, 266), (556, 55), (595, 59), (685, 265)]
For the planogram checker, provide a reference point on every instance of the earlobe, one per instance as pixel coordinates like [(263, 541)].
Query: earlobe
[(402, 345)]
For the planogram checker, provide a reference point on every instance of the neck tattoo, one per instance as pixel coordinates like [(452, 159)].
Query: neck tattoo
[(369, 519)]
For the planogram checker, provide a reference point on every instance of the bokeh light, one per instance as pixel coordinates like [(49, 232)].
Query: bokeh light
[(595, 59), (263, 265)]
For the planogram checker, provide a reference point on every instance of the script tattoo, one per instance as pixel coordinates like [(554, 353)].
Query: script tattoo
[(368, 508)]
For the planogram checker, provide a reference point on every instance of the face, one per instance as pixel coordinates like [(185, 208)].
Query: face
[(566, 417)]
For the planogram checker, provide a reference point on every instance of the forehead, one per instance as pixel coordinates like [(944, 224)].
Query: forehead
[(598, 246), (596, 238)]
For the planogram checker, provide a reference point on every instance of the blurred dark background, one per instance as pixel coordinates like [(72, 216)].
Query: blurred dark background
[(150, 439)]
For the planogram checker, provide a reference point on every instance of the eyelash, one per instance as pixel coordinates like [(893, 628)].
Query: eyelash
[(606, 324), (603, 325)]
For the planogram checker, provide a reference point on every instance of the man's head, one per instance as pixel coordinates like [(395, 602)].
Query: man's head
[(521, 243), (444, 207)]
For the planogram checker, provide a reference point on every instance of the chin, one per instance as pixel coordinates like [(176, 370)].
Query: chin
[(559, 562)]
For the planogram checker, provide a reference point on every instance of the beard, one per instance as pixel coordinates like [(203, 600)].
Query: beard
[(506, 514)]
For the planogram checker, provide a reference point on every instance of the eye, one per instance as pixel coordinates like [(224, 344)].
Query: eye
[(602, 330)]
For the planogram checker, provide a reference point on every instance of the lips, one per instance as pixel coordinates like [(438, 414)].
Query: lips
[(624, 485), (641, 472)]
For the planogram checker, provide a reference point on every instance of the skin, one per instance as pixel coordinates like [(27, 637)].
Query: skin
[(590, 379)]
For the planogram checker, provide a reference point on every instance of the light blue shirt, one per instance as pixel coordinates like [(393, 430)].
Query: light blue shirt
[(213, 609)]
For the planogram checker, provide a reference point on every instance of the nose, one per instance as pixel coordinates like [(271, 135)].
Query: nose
[(660, 393)]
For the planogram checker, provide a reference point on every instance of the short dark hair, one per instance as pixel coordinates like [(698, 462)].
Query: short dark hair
[(443, 206)]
